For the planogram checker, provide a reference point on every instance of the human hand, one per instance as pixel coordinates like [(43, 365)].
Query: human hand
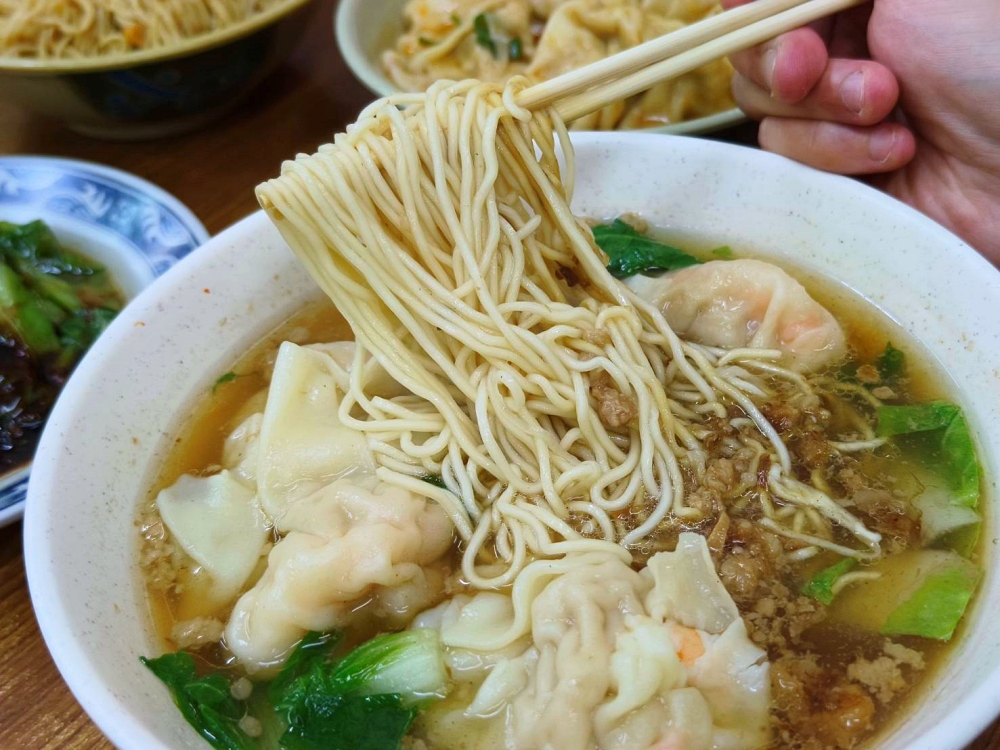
[(905, 90)]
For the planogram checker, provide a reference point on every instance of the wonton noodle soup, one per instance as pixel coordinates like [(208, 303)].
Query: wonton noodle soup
[(607, 515)]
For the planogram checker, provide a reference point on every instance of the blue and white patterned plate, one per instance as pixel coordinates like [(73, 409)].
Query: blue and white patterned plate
[(131, 226)]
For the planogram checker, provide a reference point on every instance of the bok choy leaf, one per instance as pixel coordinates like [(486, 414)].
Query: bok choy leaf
[(630, 252), (954, 442)]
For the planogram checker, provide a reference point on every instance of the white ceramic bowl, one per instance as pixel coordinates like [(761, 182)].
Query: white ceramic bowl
[(365, 31), (119, 414)]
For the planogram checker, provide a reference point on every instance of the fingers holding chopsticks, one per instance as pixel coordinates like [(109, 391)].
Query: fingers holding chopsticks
[(853, 92), (823, 110), (838, 148)]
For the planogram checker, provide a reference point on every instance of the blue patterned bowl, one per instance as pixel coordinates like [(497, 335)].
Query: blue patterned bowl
[(158, 92), (134, 228)]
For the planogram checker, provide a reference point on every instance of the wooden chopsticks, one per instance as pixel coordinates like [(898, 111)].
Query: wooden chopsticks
[(632, 71)]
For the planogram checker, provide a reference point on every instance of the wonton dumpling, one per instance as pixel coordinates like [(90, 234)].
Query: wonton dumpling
[(239, 452), (746, 303), (217, 521), (343, 545), (303, 444), (687, 589), (609, 665), (733, 677)]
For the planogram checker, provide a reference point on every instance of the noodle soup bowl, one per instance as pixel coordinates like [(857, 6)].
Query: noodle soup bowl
[(157, 92), (363, 36), (120, 413)]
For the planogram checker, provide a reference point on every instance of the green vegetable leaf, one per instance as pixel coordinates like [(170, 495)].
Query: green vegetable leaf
[(80, 330), (724, 253), (367, 700), (435, 480), (958, 455), (311, 652), (173, 669), (902, 420), (348, 722), (35, 244), (820, 586), (50, 297), (36, 328), (227, 378), (935, 608), (515, 51), (425, 42), (481, 27), (212, 690), (963, 540), (410, 663), (12, 290), (205, 702), (890, 363), (631, 253)]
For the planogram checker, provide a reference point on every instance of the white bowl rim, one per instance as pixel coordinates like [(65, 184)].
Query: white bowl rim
[(969, 717), (375, 81)]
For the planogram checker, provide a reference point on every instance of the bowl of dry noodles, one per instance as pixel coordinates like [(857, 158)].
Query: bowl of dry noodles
[(411, 43), (482, 434), (134, 70)]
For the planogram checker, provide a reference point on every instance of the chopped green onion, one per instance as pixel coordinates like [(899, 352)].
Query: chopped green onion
[(820, 586), (481, 26)]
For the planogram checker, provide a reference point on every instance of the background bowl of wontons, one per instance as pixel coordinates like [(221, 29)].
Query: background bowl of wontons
[(119, 415), (363, 36)]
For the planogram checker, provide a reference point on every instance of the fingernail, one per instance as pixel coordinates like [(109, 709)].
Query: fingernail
[(852, 92), (768, 62), (881, 144)]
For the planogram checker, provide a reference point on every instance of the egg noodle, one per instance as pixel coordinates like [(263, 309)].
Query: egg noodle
[(46, 29), (443, 232)]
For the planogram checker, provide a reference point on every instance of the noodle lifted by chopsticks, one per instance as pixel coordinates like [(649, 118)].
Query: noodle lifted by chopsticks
[(540, 386)]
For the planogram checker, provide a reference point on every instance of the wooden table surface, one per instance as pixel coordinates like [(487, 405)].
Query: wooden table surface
[(213, 172)]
